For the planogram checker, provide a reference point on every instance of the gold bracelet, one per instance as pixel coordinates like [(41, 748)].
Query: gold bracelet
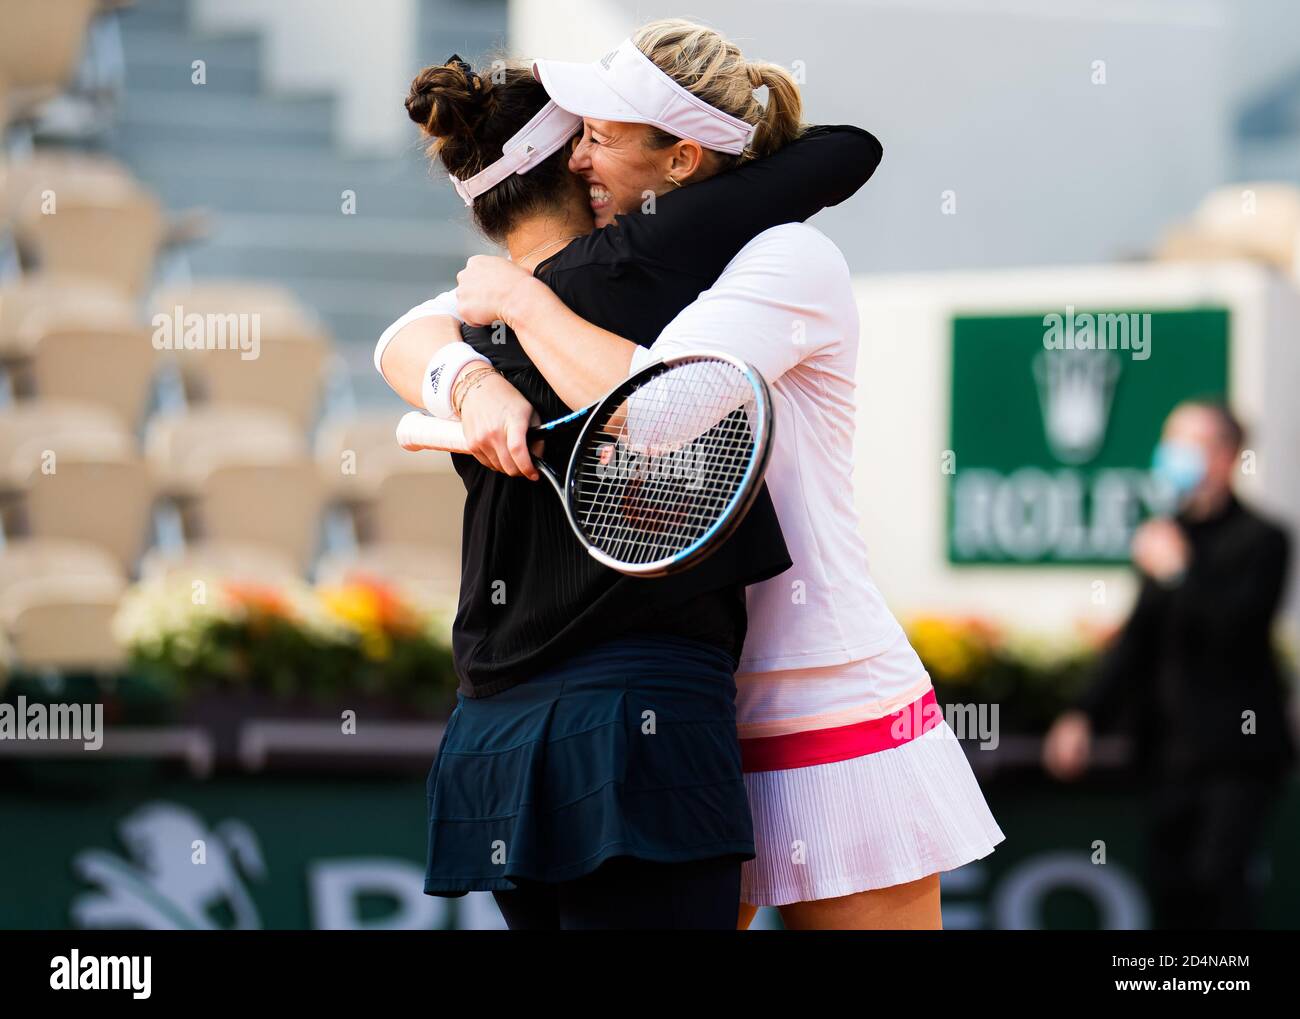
[(473, 386), (462, 381), (467, 383), (469, 380)]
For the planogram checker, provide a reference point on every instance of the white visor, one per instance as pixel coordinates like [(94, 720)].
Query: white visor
[(527, 147), (625, 85)]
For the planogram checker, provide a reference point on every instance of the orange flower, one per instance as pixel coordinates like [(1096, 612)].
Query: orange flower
[(258, 599)]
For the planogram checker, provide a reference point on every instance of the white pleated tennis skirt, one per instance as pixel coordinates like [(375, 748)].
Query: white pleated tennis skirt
[(870, 822), (907, 808)]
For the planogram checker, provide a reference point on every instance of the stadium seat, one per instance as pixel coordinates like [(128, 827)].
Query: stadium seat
[(46, 584), (27, 303), (238, 561), (286, 373), (29, 428), (184, 446), (419, 507), (223, 296), (39, 48), (31, 559), (276, 504), (357, 452), (65, 623), (104, 228), (47, 168), (101, 365), (88, 487)]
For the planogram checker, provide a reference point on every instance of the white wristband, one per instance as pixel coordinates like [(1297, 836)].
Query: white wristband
[(440, 376)]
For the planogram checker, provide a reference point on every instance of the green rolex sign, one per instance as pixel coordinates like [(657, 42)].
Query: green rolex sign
[(1054, 417)]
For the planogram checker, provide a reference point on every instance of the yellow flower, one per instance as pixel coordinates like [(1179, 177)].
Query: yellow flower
[(373, 612), (353, 605), (952, 649)]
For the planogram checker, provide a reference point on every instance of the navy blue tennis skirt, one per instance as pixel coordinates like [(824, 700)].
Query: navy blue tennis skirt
[(628, 749)]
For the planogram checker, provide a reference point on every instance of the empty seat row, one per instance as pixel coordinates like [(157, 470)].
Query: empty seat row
[(70, 340), (69, 470), (77, 217)]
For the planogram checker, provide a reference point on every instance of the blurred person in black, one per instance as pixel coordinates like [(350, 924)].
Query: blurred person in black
[(1194, 668)]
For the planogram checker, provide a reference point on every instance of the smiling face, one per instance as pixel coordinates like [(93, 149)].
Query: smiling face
[(620, 165)]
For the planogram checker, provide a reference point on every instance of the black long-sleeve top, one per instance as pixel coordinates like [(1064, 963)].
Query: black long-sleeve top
[(1195, 655)]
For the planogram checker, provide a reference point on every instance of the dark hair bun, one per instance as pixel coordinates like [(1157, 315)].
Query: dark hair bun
[(449, 99)]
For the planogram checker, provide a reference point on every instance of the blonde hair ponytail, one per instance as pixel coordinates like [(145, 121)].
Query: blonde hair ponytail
[(782, 119), (712, 68)]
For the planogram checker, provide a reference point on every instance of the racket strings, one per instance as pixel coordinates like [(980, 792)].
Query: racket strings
[(661, 465), (663, 468)]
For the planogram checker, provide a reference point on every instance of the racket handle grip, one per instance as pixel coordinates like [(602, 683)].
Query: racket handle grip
[(418, 431)]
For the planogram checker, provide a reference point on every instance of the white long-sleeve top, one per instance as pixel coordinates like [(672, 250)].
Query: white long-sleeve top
[(785, 304)]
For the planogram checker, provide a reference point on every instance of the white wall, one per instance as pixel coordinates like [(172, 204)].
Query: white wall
[(361, 52), (903, 423)]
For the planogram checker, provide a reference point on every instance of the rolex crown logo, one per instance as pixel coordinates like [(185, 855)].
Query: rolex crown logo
[(1075, 389)]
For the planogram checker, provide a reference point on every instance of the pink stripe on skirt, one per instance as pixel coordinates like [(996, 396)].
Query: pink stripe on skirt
[(844, 742)]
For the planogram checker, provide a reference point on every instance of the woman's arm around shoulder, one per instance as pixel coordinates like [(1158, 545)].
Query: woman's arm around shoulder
[(708, 222), (786, 298)]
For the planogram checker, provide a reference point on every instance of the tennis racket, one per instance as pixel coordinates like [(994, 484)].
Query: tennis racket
[(662, 470)]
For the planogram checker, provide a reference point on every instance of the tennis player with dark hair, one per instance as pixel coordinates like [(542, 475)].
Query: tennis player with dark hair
[(1195, 674), (590, 775), (860, 793)]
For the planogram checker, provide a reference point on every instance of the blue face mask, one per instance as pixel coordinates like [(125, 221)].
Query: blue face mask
[(1180, 466)]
